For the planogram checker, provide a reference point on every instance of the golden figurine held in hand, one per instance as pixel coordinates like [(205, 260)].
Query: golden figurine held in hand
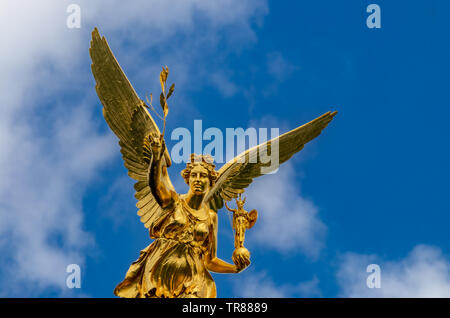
[(183, 226), (242, 220)]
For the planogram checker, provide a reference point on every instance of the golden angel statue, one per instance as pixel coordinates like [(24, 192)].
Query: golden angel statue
[(183, 226)]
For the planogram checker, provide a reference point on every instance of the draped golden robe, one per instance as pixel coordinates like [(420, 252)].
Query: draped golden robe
[(174, 264)]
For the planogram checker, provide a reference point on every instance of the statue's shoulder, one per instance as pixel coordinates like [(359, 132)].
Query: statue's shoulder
[(212, 215)]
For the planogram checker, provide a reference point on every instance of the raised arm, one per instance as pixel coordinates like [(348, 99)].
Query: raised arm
[(228, 208), (157, 173)]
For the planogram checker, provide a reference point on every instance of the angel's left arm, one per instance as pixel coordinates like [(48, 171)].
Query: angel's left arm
[(213, 263)]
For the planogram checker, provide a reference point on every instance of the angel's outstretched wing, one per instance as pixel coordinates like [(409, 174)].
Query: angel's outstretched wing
[(128, 118), (239, 172)]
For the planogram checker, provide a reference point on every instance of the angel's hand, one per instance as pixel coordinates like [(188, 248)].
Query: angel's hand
[(241, 258), (157, 145)]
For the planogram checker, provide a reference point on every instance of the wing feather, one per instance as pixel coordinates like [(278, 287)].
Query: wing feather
[(128, 118), (150, 209), (142, 193), (155, 216)]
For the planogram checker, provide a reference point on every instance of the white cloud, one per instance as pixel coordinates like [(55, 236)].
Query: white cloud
[(279, 67), (51, 146), (424, 272), (260, 285), (224, 84), (287, 222), (40, 193), (117, 204)]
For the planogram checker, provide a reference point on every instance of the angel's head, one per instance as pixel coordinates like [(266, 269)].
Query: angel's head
[(200, 173), (239, 202)]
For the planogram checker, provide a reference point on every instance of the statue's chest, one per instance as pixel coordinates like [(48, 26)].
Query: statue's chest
[(186, 227)]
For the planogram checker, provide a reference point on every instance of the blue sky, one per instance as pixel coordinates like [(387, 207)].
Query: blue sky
[(371, 189)]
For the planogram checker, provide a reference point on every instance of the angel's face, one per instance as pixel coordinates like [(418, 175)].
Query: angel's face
[(199, 180)]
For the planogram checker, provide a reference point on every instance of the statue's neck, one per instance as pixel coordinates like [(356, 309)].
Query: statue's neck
[(193, 200)]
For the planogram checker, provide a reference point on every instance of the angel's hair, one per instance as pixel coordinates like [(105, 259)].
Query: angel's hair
[(205, 161)]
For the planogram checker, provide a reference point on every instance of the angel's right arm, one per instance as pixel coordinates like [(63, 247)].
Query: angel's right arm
[(157, 174)]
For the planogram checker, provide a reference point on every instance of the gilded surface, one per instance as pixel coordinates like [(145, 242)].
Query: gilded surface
[(183, 226)]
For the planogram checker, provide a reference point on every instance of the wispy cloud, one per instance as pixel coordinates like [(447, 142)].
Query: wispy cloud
[(260, 285), (424, 272), (224, 84), (287, 221), (279, 67), (40, 193), (51, 144)]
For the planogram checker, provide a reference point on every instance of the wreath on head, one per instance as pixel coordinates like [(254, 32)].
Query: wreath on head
[(205, 161)]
